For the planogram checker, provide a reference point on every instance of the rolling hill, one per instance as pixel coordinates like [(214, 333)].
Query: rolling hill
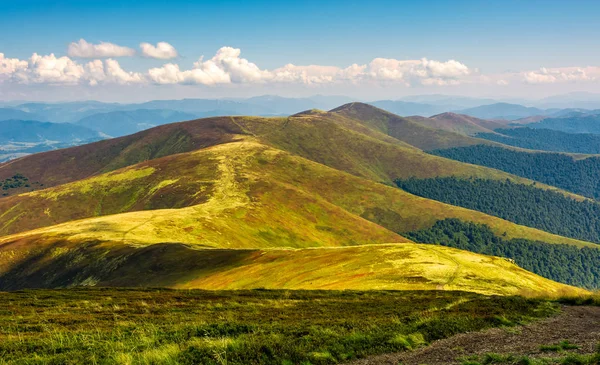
[(253, 185), (403, 129), (236, 193), (349, 139), (459, 123)]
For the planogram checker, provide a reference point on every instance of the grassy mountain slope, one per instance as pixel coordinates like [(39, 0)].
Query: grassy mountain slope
[(239, 194), (63, 166), (228, 198), (403, 129), (459, 123), (388, 267), (347, 144), (396, 267)]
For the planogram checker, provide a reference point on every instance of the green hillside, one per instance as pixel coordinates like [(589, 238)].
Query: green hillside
[(233, 196), (246, 185), (459, 123), (404, 129)]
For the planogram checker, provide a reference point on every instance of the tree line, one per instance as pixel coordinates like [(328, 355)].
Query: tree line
[(522, 204), (578, 176)]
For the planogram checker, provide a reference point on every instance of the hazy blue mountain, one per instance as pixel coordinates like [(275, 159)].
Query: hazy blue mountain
[(575, 124), (583, 100), (453, 102), (66, 112), (120, 123), (36, 132), (11, 113), (196, 106), (503, 111)]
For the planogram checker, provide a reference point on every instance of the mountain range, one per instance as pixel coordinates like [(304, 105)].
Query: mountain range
[(305, 201)]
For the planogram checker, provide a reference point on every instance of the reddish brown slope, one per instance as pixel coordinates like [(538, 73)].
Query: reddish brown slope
[(66, 165)]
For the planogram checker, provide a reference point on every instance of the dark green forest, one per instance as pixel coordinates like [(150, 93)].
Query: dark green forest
[(17, 181), (545, 140), (578, 176), (522, 204), (563, 263)]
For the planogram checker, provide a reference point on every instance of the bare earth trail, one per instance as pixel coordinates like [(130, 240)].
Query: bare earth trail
[(578, 325)]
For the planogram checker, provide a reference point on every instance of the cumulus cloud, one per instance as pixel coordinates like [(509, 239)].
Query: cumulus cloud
[(162, 50), (227, 66), (50, 69), (424, 71), (224, 68), (110, 71), (83, 49), (564, 74), (8, 66)]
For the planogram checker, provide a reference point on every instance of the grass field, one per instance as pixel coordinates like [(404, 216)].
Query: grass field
[(124, 326)]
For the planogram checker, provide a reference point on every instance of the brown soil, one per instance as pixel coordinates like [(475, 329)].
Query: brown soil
[(578, 325)]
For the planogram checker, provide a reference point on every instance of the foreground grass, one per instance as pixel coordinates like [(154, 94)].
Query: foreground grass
[(119, 326)]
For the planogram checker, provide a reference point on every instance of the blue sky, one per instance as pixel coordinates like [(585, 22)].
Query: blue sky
[(489, 37)]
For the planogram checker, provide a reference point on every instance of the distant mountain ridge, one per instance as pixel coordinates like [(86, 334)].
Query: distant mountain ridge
[(34, 131), (120, 123)]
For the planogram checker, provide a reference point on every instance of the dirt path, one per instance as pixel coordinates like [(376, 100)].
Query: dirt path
[(578, 325)]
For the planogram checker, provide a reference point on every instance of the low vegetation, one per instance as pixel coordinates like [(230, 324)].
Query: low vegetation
[(522, 204), (123, 326), (14, 182)]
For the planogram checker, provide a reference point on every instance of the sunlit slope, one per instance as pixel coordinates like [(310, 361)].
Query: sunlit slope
[(389, 267), (231, 199), (239, 194), (397, 267)]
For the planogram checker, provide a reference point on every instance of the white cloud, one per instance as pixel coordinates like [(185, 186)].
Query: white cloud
[(115, 74), (50, 69), (83, 49), (9, 66), (228, 66), (162, 50), (225, 67), (424, 71), (564, 74)]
